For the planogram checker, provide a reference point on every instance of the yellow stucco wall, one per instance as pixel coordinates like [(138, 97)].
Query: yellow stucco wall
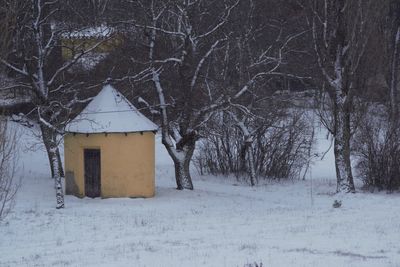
[(71, 47), (127, 163)]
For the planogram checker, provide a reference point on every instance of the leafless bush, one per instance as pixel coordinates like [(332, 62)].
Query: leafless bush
[(281, 148), (378, 153), (8, 160)]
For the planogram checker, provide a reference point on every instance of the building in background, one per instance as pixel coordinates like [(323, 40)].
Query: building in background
[(103, 39)]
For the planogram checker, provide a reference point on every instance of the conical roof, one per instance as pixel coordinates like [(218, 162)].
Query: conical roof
[(110, 112)]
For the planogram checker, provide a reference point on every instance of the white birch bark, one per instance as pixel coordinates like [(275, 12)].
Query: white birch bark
[(340, 31), (46, 84), (57, 178)]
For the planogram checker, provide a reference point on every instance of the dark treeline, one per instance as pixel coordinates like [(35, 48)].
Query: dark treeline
[(237, 80)]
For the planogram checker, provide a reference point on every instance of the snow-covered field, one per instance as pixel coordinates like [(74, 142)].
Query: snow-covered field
[(220, 223)]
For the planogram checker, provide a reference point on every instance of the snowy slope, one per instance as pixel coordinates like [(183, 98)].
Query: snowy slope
[(220, 223)]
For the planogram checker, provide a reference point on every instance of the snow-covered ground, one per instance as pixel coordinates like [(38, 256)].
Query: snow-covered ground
[(220, 223)]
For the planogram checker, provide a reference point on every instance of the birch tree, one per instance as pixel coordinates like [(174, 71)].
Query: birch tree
[(248, 161), (38, 36), (340, 32)]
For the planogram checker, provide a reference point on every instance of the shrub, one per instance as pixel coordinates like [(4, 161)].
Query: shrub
[(281, 147), (378, 152), (8, 161)]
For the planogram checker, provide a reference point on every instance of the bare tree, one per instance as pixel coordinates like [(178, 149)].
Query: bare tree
[(268, 54), (188, 43), (190, 59), (341, 30), (377, 144), (8, 17), (8, 162), (393, 81), (39, 36)]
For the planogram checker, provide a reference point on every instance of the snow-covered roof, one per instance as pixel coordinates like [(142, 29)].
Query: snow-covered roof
[(110, 112), (102, 31)]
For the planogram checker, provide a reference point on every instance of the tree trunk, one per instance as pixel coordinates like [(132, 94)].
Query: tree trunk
[(182, 161), (394, 110), (393, 128), (250, 160), (182, 173), (49, 138), (60, 166), (57, 177), (182, 152), (181, 155), (342, 149), (247, 164), (347, 149), (57, 173)]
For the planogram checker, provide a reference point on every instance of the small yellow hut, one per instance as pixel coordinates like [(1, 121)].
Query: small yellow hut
[(109, 149)]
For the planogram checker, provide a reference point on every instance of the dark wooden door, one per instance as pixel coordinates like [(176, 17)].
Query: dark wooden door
[(92, 172)]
